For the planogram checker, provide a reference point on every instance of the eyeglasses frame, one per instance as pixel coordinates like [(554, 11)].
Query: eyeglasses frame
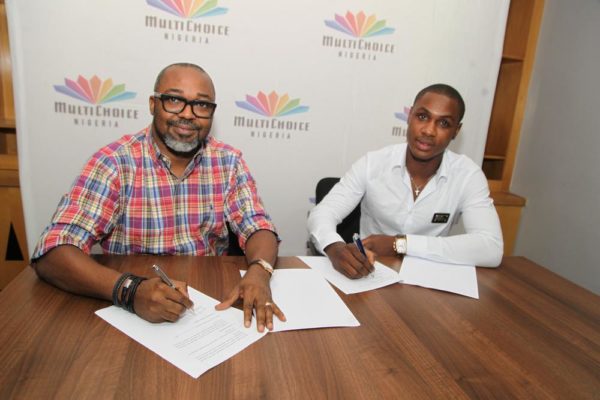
[(187, 102)]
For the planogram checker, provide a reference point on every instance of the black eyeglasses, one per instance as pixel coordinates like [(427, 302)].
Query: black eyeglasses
[(176, 104)]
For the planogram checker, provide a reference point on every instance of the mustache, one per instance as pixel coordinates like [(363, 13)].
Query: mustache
[(183, 123)]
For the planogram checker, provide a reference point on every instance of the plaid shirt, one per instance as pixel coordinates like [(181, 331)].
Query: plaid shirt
[(127, 199)]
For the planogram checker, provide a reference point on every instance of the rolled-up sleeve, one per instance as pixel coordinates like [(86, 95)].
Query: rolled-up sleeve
[(87, 212), (244, 207)]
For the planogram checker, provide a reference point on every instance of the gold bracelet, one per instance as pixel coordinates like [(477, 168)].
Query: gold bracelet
[(265, 265)]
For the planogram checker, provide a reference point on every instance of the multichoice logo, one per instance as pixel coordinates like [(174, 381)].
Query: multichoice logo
[(273, 111), (362, 32), (95, 94), (185, 27), (188, 9), (402, 116)]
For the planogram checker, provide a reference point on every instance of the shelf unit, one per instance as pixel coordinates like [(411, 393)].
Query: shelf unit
[(518, 54), (13, 243)]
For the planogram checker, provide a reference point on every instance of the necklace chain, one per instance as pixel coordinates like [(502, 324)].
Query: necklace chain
[(417, 188)]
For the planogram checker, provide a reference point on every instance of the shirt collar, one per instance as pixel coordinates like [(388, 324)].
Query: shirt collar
[(400, 161)]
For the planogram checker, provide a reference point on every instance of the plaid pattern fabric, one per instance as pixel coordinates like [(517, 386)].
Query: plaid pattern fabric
[(127, 199)]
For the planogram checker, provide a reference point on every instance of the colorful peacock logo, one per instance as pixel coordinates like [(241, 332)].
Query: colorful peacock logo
[(272, 105), (359, 25), (403, 116), (94, 91), (189, 8)]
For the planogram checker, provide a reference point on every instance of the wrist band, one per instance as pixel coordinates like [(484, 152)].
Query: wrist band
[(265, 265), (117, 286), (129, 305), (124, 297)]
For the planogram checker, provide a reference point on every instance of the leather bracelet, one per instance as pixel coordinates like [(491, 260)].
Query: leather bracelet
[(265, 265), (129, 305), (115, 291), (126, 286)]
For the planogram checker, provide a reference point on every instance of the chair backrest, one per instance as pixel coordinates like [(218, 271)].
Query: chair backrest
[(349, 225), (234, 246)]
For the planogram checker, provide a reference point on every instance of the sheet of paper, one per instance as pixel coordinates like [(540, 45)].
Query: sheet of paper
[(194, 344), (382, 276), (307, 301), (455, 278)]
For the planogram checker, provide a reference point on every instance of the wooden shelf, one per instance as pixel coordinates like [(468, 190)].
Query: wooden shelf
[(9, 170), (518, 25), (494, 157), (8, 124), (522, 27), (507, 59), (508, 199)]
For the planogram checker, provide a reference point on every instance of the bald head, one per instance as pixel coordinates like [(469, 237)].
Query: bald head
[(176, 65)]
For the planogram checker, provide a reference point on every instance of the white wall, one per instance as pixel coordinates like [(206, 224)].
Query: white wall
[(558, 163), (352, 93)]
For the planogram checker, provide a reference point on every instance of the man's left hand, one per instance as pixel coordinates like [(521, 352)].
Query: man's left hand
[(255, 292)]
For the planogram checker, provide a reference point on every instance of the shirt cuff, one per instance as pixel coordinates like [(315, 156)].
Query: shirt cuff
[(416, 245), (58, 235), (325, 241)]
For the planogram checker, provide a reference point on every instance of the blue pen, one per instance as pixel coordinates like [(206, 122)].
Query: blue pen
[(358, 243)]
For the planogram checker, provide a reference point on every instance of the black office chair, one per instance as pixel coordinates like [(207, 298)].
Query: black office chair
[(234, 246), (349, 225)]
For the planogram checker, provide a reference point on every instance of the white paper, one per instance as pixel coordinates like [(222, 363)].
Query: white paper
[(307, 301), (195, 343), (382, 276), (455, 278)]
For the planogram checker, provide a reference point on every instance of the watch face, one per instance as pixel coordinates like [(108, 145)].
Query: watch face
[(401, 245)]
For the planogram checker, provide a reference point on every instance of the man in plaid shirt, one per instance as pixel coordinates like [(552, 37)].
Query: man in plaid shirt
[(170, 189)]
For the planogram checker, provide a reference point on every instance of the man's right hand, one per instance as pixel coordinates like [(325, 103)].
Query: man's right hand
[(157, 302), (347, 259)]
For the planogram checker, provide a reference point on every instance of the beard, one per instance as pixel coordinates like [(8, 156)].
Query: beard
[(183, 149)]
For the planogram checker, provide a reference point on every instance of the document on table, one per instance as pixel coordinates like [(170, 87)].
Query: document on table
[(307, 301), (382, 276), (197, 342), (455, 278)]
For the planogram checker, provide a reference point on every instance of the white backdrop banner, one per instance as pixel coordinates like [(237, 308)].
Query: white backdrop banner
[(304, 88)]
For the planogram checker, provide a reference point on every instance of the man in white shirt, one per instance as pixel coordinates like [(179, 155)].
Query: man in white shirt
[(410, 196)]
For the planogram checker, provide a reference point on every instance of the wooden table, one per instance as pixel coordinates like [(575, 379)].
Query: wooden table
[(532, 334)]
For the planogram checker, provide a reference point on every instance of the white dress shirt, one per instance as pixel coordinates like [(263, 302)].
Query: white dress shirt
[(380, 179)]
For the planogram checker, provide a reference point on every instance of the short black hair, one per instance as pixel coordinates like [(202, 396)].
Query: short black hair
[(180, 64), (445, 90)]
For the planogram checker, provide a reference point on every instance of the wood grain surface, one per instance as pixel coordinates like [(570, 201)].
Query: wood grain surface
[(532, 334)]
